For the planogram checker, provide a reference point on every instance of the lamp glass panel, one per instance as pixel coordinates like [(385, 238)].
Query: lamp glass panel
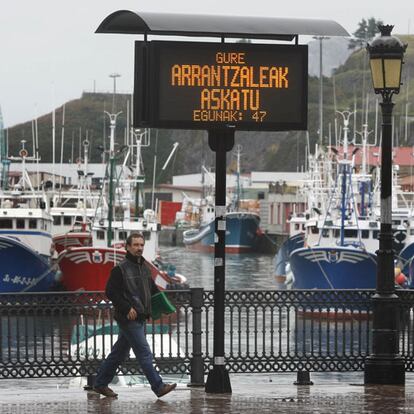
[(392, 73), (377, 73)]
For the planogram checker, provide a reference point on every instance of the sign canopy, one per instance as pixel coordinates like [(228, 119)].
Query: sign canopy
[(196, 85), (130, 22)]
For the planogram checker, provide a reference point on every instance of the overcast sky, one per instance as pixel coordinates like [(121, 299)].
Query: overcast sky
[(49, 53)]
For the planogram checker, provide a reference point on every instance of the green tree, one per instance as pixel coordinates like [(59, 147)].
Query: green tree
[(367, 29)]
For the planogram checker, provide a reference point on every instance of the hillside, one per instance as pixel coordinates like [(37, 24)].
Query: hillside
[(283, 151)]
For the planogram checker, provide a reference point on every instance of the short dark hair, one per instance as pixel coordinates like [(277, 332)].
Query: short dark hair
[(135, 235)]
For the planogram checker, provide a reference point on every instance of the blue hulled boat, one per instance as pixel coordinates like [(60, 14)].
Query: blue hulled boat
[(242, 223), (25, 236), (242, 232), (333, 268), (341, 241), (22, 269), (281, 262)]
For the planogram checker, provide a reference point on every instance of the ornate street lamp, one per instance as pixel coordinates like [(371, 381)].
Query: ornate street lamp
[(385, 365)]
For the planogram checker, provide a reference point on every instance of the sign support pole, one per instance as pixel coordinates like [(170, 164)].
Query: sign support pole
[(220, 141)]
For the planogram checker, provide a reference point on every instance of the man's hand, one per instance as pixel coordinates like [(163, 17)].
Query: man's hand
[(132, 314)]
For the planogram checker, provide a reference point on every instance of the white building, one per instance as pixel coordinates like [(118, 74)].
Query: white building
[(68, 172)]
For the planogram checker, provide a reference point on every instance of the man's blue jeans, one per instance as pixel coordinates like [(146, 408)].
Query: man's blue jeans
[(131, 335)]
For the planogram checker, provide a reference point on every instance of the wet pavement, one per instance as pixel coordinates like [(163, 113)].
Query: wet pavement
[(326, 396)]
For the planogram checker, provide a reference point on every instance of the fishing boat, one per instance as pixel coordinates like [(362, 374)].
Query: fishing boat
[(340, 244), (88, 267), (242, 231), (25, 236), (313, 190), (242, 224), (73, 210)]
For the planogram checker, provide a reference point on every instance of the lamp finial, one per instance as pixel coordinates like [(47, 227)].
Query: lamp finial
[(385, 29)]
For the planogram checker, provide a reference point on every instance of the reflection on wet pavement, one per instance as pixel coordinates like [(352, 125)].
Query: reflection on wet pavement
[(246, 398)]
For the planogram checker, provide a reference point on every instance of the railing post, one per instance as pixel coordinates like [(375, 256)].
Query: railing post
[(90, 382), (197, 363)]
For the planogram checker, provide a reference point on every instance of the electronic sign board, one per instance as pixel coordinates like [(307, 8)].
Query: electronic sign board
[(194, 85)]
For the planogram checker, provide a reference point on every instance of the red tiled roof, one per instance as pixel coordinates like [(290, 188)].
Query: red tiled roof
[(402, 156)]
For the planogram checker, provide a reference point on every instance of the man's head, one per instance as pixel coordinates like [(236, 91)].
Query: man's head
[(135, 244)]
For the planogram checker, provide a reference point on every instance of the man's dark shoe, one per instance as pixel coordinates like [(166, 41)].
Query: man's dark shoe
[(166, 389), (106, 391)]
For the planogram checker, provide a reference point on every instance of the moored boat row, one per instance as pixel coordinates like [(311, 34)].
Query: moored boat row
[(340, 229), (72, 239)]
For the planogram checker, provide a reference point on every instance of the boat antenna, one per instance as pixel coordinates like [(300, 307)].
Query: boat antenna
[(36, 152), (62, 141), (53, 148), (114, 76)]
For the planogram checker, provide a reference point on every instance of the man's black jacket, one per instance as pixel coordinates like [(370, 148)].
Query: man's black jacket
[(117, 290)]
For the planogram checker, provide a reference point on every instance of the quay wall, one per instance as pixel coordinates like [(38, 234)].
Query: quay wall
[(268, 243)]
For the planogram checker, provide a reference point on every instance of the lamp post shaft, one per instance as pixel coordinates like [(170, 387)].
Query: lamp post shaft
[(385, 254), (385, 365)]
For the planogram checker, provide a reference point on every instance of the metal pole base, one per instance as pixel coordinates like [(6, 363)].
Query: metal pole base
[(303, 378), (196, 384), (386, 371), (218, 380), (90, 381)]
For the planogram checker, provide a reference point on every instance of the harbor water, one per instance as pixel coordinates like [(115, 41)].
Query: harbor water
[(243, 271)]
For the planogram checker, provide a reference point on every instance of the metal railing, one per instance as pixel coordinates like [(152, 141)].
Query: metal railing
[(68, 334)]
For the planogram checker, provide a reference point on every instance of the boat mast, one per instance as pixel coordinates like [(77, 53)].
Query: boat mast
[(142, 139), (344, 163), (85, 183), (112, 125), (4, 162)]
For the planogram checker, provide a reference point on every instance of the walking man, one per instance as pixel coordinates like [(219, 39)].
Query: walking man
[(130, 288)]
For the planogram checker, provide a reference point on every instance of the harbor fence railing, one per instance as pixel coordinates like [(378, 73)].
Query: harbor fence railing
[(266, 331)]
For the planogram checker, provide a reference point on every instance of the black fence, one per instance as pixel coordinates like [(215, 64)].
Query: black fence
[(68, 334)]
